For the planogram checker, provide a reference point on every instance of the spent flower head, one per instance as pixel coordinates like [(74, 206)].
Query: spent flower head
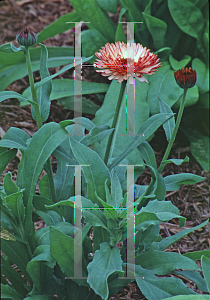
[(185, 78), (126, 61), (26, 37)]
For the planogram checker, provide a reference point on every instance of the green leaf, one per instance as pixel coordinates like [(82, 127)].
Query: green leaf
[(97, 134), (194, 276), (49, 217), (62, 88), (6, 157), (162, 263), (106, 261), (155, 288), (7, 293), (196, 255), (159, 186), (59, 26), (43, 93), (169, 125), (40, 268), (120, 35), (147, 129), (205, 263), (157, 29), (9, 185), (191, 297), (176, 161), (176, 65), (15, 138), (44, 186), (191, 98), (116, 190), (89, 11), (148, 154), (40, 297), (10, 94), (42, 144), (13, 276), (62, 249), (16, 252), (109, 5), (10, 48), (96, 173), (187, 16), (92, 41), (157, 210), (168, 241), (14, 66), (173, 182)]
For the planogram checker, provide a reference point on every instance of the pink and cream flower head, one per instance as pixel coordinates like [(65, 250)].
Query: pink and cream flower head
[(126, 61)]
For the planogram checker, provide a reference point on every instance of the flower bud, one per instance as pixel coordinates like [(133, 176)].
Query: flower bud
[(185, 78), (26, 37)]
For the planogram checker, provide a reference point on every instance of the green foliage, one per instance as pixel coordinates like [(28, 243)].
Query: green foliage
[(177, 32)]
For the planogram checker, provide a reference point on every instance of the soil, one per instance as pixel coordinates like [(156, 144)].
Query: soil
[(191, 200)]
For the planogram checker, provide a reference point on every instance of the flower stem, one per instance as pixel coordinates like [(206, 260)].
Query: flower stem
[(178, 120), (114, 122), (39, 120), (33, 90)]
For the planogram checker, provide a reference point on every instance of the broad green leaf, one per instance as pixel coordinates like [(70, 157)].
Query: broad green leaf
[(169, 125), (176, 65), (146, 237), (191, 97), (148, 154), (42, 144), (157, 29), (14, 66), (89, 11), (62, 249), (157, 210), (15, 138), (194, 276), (106, 261), (13, 276), (5, 158), (146, 130), (40, 297), (44, 186), (196, 255), (43, 93), (187, 16), (92, 41), (95, 171), (173, 182), (100, 235), (59, 26), (168, 241), (205, 263), (9, 185), (62, 88), (155, 288), (116, 190), (40, 268), (162, 263), (42, 236), (50, 217), (8, 293), (202, 75), (88, 106), (109, 5)]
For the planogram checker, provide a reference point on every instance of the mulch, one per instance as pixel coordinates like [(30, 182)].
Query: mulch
[(191, 200)]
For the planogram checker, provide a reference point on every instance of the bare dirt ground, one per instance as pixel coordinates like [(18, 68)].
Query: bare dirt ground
[(192, 200)]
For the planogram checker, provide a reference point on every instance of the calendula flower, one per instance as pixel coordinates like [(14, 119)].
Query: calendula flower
[(185, 78), (26, 37), (126, 61)]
